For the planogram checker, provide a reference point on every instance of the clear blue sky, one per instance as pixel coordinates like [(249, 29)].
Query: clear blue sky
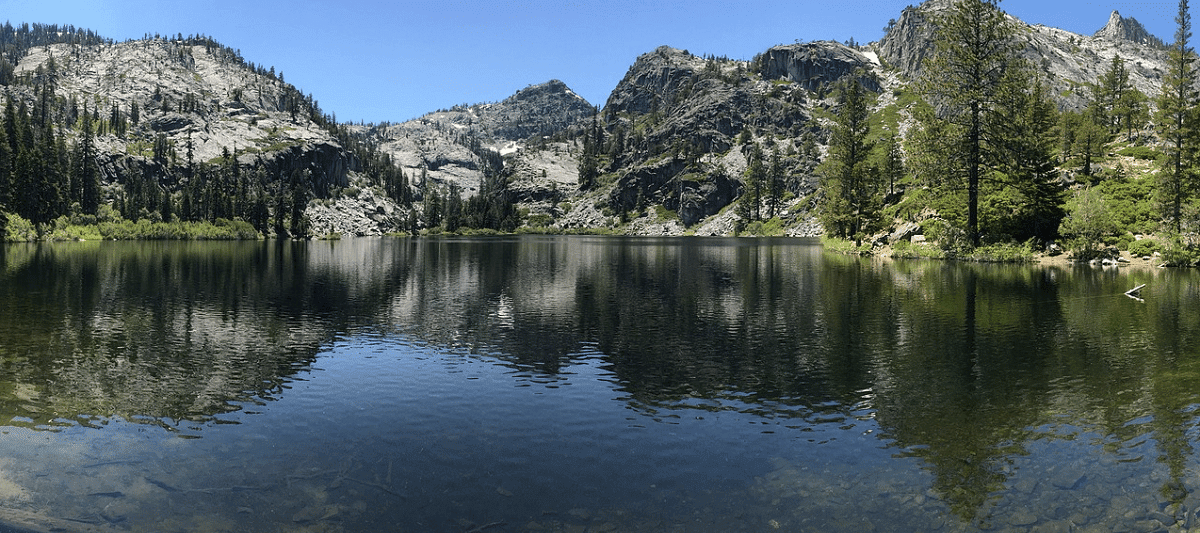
[(376, 60)]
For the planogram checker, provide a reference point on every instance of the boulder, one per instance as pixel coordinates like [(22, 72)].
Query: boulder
[(905, 232), (170, 122)]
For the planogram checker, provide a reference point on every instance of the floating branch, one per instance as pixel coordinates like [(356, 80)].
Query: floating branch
[(1136, 293)]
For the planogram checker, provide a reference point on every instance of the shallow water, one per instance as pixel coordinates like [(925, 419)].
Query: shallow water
[(586, 383)]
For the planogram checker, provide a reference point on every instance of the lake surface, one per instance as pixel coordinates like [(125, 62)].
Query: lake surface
[(588, 384)]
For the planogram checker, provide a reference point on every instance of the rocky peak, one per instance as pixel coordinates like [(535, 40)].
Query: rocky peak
[(539, 109), (652, 81), (1128, 29)]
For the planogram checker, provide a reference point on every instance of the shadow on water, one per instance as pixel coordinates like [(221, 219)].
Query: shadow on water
[(927, 393)]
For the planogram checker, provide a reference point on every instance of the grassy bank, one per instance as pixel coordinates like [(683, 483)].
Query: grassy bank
[(992, 253), (85, 228)]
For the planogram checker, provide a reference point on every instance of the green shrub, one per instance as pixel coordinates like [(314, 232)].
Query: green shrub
[(1144, 247), (1003, 253), (1177, 255), (1089, 220), (1140, 152), (908, 250), (18, 229), (843, 246), (1130, 203), (665, 214), (221, 229), (1122, 242)]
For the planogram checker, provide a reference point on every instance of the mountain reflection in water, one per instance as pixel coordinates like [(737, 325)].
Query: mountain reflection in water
[(617, 384)]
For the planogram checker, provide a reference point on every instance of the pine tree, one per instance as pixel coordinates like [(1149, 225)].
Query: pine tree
[(749, 205), (775, 188), (300, 196), (973, 50), (589, 160), (1091, 137), (1107, 94), (6, 164), (852, 190), (891, 165), (281, 198), (1175, 120), (432, 207), (454, 209), (26, 172), (1132, 112), (1025, 157), (87, 173)]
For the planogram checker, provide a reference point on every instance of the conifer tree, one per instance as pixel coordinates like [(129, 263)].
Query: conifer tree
[(589, 160), (973, 50), (25, 181), (50, 177), (852, 192), (431, 207), (453, 210), (299, 222), (891, 166), (775, 180), (1109, 92), (1176, 121), (1132, 112), (6, 160), (749, 205), (1024, 154), (87, 173)]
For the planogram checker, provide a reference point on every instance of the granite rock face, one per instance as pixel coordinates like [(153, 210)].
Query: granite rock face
[(815, 65)]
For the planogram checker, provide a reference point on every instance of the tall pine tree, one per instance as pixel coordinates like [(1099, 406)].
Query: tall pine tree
[(1025, 157), (1176, 121), (852, 191), (87, 173), (974, 48)]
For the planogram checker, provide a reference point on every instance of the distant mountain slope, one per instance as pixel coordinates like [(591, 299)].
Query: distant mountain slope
[(191, 91), (450, 146)]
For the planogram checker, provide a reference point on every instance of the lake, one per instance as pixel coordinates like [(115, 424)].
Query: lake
[(597, 384)]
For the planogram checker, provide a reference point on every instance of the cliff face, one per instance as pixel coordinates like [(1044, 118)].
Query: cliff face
[(677, 129), (537, 110), (815, 65), (909, 41)]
